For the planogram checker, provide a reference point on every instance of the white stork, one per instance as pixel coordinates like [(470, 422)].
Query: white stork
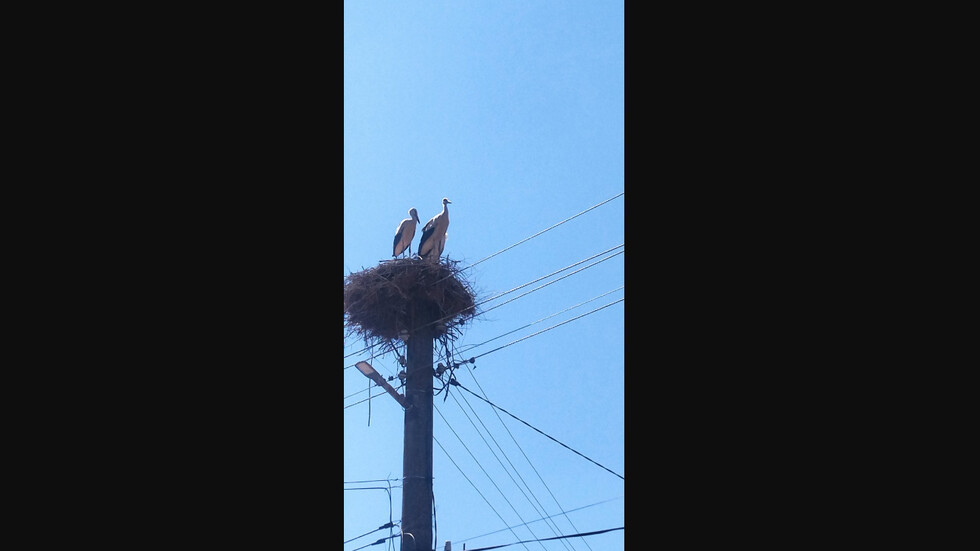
[(434, 233), (405, 233)]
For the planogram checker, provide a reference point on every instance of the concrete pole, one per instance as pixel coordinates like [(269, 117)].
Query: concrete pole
[(417, 457)]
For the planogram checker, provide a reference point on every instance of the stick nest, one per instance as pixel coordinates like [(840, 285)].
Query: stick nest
[(407, 295)]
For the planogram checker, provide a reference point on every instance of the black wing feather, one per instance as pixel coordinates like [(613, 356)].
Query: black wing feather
[(427, 232), (394, 246)]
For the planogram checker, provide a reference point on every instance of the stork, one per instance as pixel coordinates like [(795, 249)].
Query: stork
[(405, 233), (434, 233)]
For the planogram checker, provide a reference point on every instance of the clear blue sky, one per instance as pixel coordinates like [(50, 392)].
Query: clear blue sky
[(513, 110)]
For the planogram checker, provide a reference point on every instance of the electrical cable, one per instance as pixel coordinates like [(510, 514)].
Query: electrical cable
[(549, 328), (520, 339), (457, 383), (450, 316), (478, 464), (472, 346), (379, 542), (546, 284), (526, 458), (542, 511), (540, 519), (368, 398), (553, 273), (390, 523), (543, 231), (494, 454), (375, 480), (492, 508), (358, 352), (580, 535), (382, 527), (515, 342), (552, 526), (352, 394)]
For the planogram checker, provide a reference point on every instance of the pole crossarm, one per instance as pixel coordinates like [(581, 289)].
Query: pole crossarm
[(370, 373)]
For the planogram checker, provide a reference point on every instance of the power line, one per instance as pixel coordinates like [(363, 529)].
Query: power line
[(368, 398), (552, 273), (390, 524), (469, 347), (365, 349), (472, 346), (540, 519), (450, 316), (358, 352), (373, 356), (542, 231), (492, 508), (478, 464), (380, 541), (518, 340), (550, 328), (526, 458), (457, 383), (375, 480), (363, 390), (352, 394), (552, 526), (543, 286), (382, 527), (580, 535)]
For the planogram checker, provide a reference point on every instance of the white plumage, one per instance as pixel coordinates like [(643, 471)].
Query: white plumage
[(434, 233), (405, 233)]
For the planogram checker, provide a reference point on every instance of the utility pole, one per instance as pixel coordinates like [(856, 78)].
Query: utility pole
[(417, 457), (415, 301)]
